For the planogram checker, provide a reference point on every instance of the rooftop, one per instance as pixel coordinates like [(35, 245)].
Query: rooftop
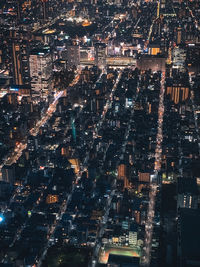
[(189, 228), (187, 185)]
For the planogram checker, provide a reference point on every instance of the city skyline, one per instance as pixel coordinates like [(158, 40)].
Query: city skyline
[(99, 133)]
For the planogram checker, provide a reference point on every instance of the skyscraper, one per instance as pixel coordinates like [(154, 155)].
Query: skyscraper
[(187, 196), (100, 55), (178, 93), (123, 174), (73, 55), (162, 3), (179, 35), (41, 72), (44, 9), (18, 10), (20, 63), (19, 52), (8, 174)]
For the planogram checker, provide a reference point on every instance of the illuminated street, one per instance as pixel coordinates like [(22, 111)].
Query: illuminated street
[(99, 133), (154, 183), (34, 131)]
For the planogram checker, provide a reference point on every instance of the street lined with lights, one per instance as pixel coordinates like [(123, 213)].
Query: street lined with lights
[(83, 166), (154, 182), (16, 154)]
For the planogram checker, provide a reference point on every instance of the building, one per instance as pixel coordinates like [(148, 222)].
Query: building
[(100, 55), (187, 195), (192, 58), (188, 238), (118, 2), (45, 9), (155, 63), (41, 72), (73, 55), (5, 189), (75, 164), (22, 90), (154, 49), (123, 174), (144, 177), (51, 199), (179, 35), (12, 99), (162, 4), (178, 56), (120, 260), (177, 93), (20, 62), (8, 174)]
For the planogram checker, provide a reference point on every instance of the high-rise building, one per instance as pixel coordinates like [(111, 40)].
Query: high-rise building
[(158, 9), (154, 49), (41, 72), (118, 2), (44, 9), (12, 99), (178, 93), (1, 55), (75, 164), (8, 174), (144, 177), (123, 174), (162, 3), (153, 62), (5, 189), (20, 62), (18, 4), (188, 238), (192, 58), (179, 35), (100, 55), (187, 196), (50, 199), (73, 55)]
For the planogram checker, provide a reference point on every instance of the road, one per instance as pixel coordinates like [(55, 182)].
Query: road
[(82, 169), (194, 108), (196, 23), (109, 102), (50, 23), (83, 166), (153, 184), (16, 154), (113, 187)]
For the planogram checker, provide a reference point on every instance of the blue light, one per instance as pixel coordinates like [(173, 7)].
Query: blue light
[(14, 89), (1, 218)]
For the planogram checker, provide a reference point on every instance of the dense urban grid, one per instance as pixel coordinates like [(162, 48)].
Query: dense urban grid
[(99, 133)]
